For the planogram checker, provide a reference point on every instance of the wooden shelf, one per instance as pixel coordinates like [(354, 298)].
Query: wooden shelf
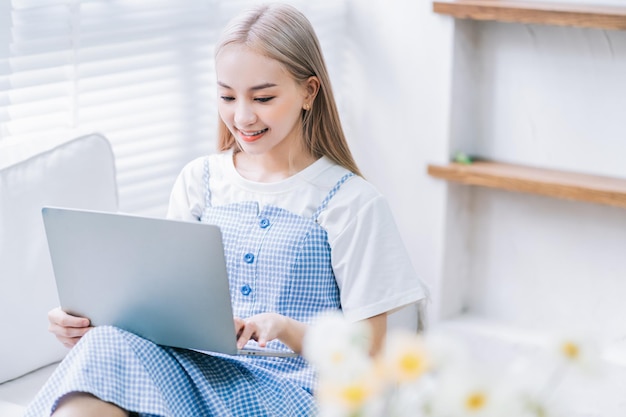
[(558, 184), (561, 14)]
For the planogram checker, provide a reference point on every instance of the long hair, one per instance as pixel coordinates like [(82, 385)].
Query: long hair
[(282, 33)]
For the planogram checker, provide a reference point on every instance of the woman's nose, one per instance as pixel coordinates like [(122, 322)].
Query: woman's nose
[(244, 115)]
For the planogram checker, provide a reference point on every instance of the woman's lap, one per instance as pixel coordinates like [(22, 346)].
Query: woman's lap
[(137, 375)]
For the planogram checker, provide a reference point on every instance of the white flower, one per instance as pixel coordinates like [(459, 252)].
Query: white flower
[(338, 348), (469, 392), (578, 351), (533, 380), (409, 399), (446, 351), (406, 357), (359, 396), (538, 407)]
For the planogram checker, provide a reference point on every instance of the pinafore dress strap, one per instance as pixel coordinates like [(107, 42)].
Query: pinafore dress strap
[(331, 194), (205, 180)]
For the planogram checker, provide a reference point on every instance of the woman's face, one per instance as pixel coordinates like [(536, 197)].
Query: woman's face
[(259, 102)]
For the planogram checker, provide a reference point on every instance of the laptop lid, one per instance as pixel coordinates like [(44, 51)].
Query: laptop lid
[(164, 280)]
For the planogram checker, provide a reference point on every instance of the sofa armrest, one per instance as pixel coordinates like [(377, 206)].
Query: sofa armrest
[(79, 173)]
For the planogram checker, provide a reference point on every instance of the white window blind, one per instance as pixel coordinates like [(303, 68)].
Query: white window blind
[(139, 71)]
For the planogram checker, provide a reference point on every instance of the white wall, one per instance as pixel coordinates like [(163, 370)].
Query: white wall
[(398, 114), (506, 269), (551, 97), (427, 86)]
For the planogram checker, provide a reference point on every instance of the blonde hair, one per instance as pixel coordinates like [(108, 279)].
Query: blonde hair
[(282, 33)]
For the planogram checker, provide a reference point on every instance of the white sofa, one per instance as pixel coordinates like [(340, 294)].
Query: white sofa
[(74, 173)]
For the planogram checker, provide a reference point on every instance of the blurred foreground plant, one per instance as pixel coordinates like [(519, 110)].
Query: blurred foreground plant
[(428, 376)]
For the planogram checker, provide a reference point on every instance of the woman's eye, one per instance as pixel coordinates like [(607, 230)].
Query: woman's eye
[(227, 98), (263, 99)]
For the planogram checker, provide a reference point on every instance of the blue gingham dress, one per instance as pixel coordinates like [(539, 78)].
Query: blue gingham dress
[(277, 262)]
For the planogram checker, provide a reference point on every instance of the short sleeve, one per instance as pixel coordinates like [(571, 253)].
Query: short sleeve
[(187, 196), (371, 264)]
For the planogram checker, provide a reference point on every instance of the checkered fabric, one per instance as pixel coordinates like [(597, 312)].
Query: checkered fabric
[(277, 261)]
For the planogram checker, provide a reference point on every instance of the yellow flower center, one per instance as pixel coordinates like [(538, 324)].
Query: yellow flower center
[(570, 350), (354, 395), (411, 365), (475, 401), (337, 358), (540, 411)]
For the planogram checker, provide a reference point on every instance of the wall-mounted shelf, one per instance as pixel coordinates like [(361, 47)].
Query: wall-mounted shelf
[(558, 184), (562, 14)]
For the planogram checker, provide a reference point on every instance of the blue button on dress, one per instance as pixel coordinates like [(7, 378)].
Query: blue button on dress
[(277, 261)]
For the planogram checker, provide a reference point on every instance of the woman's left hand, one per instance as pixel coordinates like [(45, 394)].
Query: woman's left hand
[(261, 327), (266, 327)]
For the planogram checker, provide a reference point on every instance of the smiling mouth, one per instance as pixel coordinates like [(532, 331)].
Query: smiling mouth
[(251, 136)]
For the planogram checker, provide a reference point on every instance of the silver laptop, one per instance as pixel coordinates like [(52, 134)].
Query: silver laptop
[(164, 280)]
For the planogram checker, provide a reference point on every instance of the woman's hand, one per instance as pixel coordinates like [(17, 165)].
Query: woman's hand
[(68, 329), (266, 327)]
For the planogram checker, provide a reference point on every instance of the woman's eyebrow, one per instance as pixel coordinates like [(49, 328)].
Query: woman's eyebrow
[(262, 86), (254, 88)]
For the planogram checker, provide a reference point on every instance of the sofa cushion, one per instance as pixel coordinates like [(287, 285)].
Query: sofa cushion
[(8, 409), (19, 392), (79, 173)]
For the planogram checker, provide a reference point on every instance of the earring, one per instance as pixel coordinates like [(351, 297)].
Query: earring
[(307, 106)]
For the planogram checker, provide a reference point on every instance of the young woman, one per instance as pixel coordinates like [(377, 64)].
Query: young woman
[(303, 233)]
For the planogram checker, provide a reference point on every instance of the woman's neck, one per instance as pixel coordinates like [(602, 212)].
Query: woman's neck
[(269, 167)]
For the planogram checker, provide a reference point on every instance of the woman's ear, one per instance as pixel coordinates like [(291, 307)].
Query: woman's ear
[(312, 87)]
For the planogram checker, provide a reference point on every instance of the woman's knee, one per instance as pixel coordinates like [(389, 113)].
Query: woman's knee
[(86, 405), (103, 335)]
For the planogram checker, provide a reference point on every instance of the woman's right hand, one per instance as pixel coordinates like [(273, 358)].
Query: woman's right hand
[(68, 329)]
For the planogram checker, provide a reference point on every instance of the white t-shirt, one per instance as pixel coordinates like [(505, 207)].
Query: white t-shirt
[(371, 265)]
